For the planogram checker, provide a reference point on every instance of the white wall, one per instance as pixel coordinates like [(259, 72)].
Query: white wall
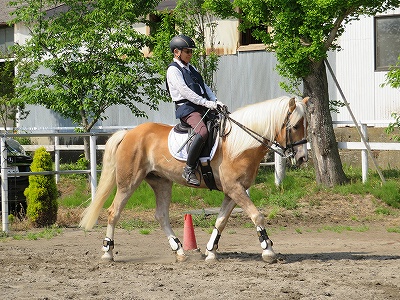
[(355, 72)]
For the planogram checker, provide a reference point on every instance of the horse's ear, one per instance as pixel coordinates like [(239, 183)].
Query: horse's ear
[(305, 100), (292, 104)]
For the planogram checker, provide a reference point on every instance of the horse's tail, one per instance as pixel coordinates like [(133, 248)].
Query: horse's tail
[(106, 183)]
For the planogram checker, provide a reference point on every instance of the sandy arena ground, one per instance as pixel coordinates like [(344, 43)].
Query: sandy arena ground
[(313, 264)]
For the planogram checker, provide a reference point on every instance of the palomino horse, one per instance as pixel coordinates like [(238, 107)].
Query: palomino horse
[(142, 154)]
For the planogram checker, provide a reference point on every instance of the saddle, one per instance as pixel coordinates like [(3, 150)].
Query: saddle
[(180, 134)]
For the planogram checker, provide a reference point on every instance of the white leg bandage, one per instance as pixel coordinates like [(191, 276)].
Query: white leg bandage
[(108, 244), (174, 243), (263, 237), (213, 242)]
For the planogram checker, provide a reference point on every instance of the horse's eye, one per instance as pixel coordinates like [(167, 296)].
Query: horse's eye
[(295, 127)]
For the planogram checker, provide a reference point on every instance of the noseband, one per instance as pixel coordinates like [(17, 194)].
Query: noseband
[(285, 152)]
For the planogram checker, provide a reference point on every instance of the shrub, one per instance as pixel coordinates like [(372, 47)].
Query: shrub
[(41, 194)]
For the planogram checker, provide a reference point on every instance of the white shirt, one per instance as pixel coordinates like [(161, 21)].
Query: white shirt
[(179, 90)]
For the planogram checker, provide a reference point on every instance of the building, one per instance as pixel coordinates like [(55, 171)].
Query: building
[(247, 73)]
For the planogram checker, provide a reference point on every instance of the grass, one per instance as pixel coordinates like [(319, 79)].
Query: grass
[(341, 228), (132, 224), (204, 221), (46, 233), (298, 183), (394, 229)]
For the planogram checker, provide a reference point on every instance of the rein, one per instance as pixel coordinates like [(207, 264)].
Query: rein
[(289, 146)]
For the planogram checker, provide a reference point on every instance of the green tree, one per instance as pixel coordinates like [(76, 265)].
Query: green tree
[(41, 194), (9, 105), (191, 18), (393, 80), (393, 76), (303, 32), (84, 57)]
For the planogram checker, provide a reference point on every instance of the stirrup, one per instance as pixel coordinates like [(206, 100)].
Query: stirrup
[(190, 175)]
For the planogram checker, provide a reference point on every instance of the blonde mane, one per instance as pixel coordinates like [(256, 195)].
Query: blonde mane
[(266, 118)]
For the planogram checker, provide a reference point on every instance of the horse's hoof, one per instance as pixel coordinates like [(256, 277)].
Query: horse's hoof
[(211, 256), (269, 256), (107, 257), (181, 257)]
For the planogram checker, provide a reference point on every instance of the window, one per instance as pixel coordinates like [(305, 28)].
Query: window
[(247, 42), (246, 38), (6, 38), (387, 41)]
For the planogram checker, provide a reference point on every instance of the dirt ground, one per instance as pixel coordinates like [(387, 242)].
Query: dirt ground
[(316, 261)]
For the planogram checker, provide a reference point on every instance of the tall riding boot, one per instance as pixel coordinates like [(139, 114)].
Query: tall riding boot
[(189, 172)]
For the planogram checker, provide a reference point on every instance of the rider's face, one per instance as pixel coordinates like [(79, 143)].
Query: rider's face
[(186, 55)]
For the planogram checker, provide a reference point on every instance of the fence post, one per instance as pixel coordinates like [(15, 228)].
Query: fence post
[(364, 154), (4, 185), (93, 165), (57, 157), (280, 168)]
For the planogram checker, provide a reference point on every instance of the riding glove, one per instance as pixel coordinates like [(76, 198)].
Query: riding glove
[(213, 104)]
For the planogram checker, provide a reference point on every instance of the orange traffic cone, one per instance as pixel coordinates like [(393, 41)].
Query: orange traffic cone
[(189, 239)]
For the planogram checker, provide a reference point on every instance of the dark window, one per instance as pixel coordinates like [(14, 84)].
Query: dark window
[(246, 37), (387, 41), (6, 38)]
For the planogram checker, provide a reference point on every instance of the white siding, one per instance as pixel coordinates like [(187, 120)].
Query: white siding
[(357, 77)]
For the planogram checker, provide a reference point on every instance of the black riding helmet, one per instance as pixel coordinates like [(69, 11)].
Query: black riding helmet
[(181, 41)]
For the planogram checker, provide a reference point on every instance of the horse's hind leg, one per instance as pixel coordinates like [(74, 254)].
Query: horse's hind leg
[(114, 212), (163, 189), (226, 209)]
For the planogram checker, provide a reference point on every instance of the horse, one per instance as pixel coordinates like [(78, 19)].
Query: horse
[(142, 153)]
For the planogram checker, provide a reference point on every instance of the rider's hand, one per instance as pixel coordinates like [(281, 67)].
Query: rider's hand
[(211, 105), (219, 103)]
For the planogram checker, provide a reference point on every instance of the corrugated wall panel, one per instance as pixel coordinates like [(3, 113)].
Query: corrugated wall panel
[(355, 69), (387, 100), (360, 82), (247, 77)]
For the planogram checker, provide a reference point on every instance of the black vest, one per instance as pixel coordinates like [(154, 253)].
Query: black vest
[(194, 81)]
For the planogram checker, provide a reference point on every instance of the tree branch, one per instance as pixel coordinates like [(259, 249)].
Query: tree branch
[(337, 24)]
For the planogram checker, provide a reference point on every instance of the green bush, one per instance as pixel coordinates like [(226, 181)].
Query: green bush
[(41, 194)]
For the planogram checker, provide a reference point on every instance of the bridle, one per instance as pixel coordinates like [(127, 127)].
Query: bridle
[(285, 152), (289, 144)]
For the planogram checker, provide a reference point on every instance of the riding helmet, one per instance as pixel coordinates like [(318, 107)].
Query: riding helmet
[(181, 41)]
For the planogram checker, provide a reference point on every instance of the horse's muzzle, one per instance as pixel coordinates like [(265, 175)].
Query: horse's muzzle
[(298, 153)]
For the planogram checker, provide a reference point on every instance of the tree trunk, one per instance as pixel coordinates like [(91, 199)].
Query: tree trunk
[(325, 153), (86, 147)]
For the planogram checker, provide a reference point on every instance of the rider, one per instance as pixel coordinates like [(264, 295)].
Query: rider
[(192, 98)]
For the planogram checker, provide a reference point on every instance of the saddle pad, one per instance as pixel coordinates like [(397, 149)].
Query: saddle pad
[(176, 140)]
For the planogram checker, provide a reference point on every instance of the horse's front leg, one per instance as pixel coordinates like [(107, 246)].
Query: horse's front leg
[(243, 200), (163, 189), (212, 246)]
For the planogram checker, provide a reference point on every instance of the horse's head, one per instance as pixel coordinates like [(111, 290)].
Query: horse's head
[(292, 137)]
